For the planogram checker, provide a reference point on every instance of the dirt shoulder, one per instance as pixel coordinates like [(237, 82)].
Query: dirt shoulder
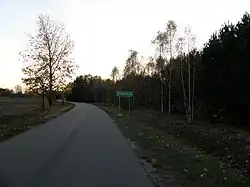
[(169, 158), (18, 115)]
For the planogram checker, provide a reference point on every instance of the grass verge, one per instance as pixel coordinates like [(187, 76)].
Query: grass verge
[(16, 123), (177, 162)]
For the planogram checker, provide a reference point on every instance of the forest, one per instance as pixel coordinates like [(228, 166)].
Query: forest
[(188, 115), (210, 83)]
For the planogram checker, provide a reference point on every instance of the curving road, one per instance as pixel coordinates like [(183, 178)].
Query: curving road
[(82, 148)]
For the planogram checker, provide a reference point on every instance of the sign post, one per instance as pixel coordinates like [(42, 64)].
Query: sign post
[(127, 94), (119, 105), (129, 106)]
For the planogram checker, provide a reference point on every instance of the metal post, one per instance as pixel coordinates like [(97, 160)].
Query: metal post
[(119, 104), (129, 106)]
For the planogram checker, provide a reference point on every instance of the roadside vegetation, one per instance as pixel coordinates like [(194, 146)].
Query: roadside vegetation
[(19, 114), (190, 106), (174, 157), (190, 109), (47, 65)]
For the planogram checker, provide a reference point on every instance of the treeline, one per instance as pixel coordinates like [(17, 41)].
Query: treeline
[(90, 88), (5, 92), (212, 82)]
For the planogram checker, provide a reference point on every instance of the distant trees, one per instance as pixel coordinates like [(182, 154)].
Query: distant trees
[(114, 74), (225, 71), (212, 82), (90, 88), (132, 65), (17, 92), (150, 66), (18, 89), (46, 60), (6, 92)]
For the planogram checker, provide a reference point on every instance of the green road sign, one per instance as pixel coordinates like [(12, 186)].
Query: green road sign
[(124, 94)]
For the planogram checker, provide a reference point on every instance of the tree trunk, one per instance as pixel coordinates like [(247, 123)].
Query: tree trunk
[(169, 97), (114, 92), (189, 92), (193, 94), (162, 83), (43, 98), (170, 79), (50, 98), (169, 90), (162, 98), (184, 92)]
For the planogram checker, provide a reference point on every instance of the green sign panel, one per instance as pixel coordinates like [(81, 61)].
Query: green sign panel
[(124, 94)]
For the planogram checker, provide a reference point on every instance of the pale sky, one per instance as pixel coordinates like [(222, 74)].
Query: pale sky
[(104, 30)]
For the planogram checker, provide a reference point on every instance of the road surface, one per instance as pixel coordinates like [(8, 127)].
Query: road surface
[(82, 148)]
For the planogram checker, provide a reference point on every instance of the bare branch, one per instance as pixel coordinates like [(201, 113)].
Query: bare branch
[(47, 56)]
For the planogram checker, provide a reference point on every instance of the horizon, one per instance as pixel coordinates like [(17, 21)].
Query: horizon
[(104, 32)]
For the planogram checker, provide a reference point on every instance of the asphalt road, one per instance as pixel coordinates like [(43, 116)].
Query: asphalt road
[(82, 148)]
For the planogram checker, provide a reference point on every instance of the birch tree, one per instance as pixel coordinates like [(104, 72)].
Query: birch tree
[(190, 40), (132, 69), (46, 60), (186, 43), (161, 42), (114, 75), (180, 47), (132, 65), (171, 29), (150, 66)]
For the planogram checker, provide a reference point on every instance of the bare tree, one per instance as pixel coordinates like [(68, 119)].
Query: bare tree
[(142, 66), (46, 60), (132, 65), (160, 41), (18, 88), (150, 66), (188, 42), (180, 47), (114, 75), (171, 29)]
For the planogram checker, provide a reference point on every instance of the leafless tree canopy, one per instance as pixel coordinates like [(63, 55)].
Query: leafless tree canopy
[(18, 88), (114, 73), (46, 60), (132, 64)]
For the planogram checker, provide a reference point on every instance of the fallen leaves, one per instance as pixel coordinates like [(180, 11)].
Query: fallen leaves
[(174, 153)]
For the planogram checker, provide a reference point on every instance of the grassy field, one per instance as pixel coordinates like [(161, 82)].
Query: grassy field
[(185, 155), (20, 114)]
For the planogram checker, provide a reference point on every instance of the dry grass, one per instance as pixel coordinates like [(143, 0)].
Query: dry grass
[(20, 114), (18, 106), (229, 144), (175, 150)]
